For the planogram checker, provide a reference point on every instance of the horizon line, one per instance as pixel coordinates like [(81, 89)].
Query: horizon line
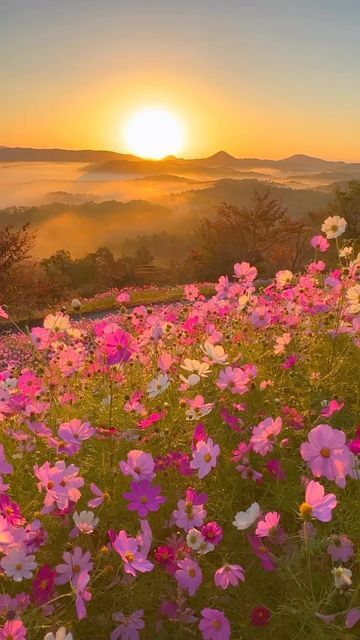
[(220, 151)]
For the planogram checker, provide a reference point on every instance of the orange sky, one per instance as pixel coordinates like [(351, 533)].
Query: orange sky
[(250, 78)]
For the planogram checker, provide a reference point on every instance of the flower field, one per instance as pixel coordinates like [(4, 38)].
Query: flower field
[(191, 470)]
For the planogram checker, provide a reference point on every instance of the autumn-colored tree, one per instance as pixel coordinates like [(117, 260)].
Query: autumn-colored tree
[(260, 233)]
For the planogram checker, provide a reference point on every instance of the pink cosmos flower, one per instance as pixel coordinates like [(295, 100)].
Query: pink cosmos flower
[(268, 525), (214, 625), (341, 548), (139, 465), (261, 434), (144, 497), (6, 537), (10, 510), (327, 454), (267, 559), (3, 313), (205, 457), (190, 512), (191, 292), (133, 557), (189, 575), (83, 595), (70, 361), (317, 504), (245, 273), (129, 626), (13, 630), (320, 243), (75, 563), (235, 379), (61, 484), (352, 618), (75, 431), (30, 384), (332, 407), (100, 496), (124, 296), (229, 574)]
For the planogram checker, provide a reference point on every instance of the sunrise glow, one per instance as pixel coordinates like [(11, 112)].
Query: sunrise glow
[(154, 132)]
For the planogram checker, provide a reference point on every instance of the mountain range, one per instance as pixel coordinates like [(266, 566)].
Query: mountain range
[(113, 162)]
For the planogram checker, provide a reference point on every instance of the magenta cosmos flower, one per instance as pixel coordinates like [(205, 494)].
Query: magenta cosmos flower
[(317, 504), (205, 457), (260, 616), (129, 626), (189, 575), (144, 497), (229, 574), (327, 454), (214, 625)]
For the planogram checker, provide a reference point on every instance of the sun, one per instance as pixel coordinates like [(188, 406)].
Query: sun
[(154, 132)]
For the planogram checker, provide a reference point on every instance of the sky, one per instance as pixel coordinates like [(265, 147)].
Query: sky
[(256, 78)]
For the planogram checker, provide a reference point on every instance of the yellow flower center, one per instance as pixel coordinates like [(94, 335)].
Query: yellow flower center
[(306, 510), (325, 452)]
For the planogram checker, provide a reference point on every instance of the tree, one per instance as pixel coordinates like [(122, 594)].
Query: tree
[(15, 247), (254, 233), (347, 205)]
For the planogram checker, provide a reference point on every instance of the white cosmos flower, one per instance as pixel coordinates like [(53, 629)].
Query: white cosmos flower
[(284, 277), (244, 519), (214, 352), (202, 369), (17, 565), (61, 634), (57, 322), (194, 539), (85, 521), (345, 252), (333, 227), (342, 577), (192, 380), (158, 385), (353, 298)]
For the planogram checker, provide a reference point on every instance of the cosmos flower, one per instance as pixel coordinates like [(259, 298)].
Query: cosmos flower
[(333, 227), (327, 454), (317, 504), (129, 626), (75, 563), (189, 575), (18, 565), (205, 457), (61, 634), (229, 574), (245, 519), (214, 625), (144, 497)]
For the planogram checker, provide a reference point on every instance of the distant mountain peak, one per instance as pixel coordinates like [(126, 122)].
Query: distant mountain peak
[(221, 155)]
